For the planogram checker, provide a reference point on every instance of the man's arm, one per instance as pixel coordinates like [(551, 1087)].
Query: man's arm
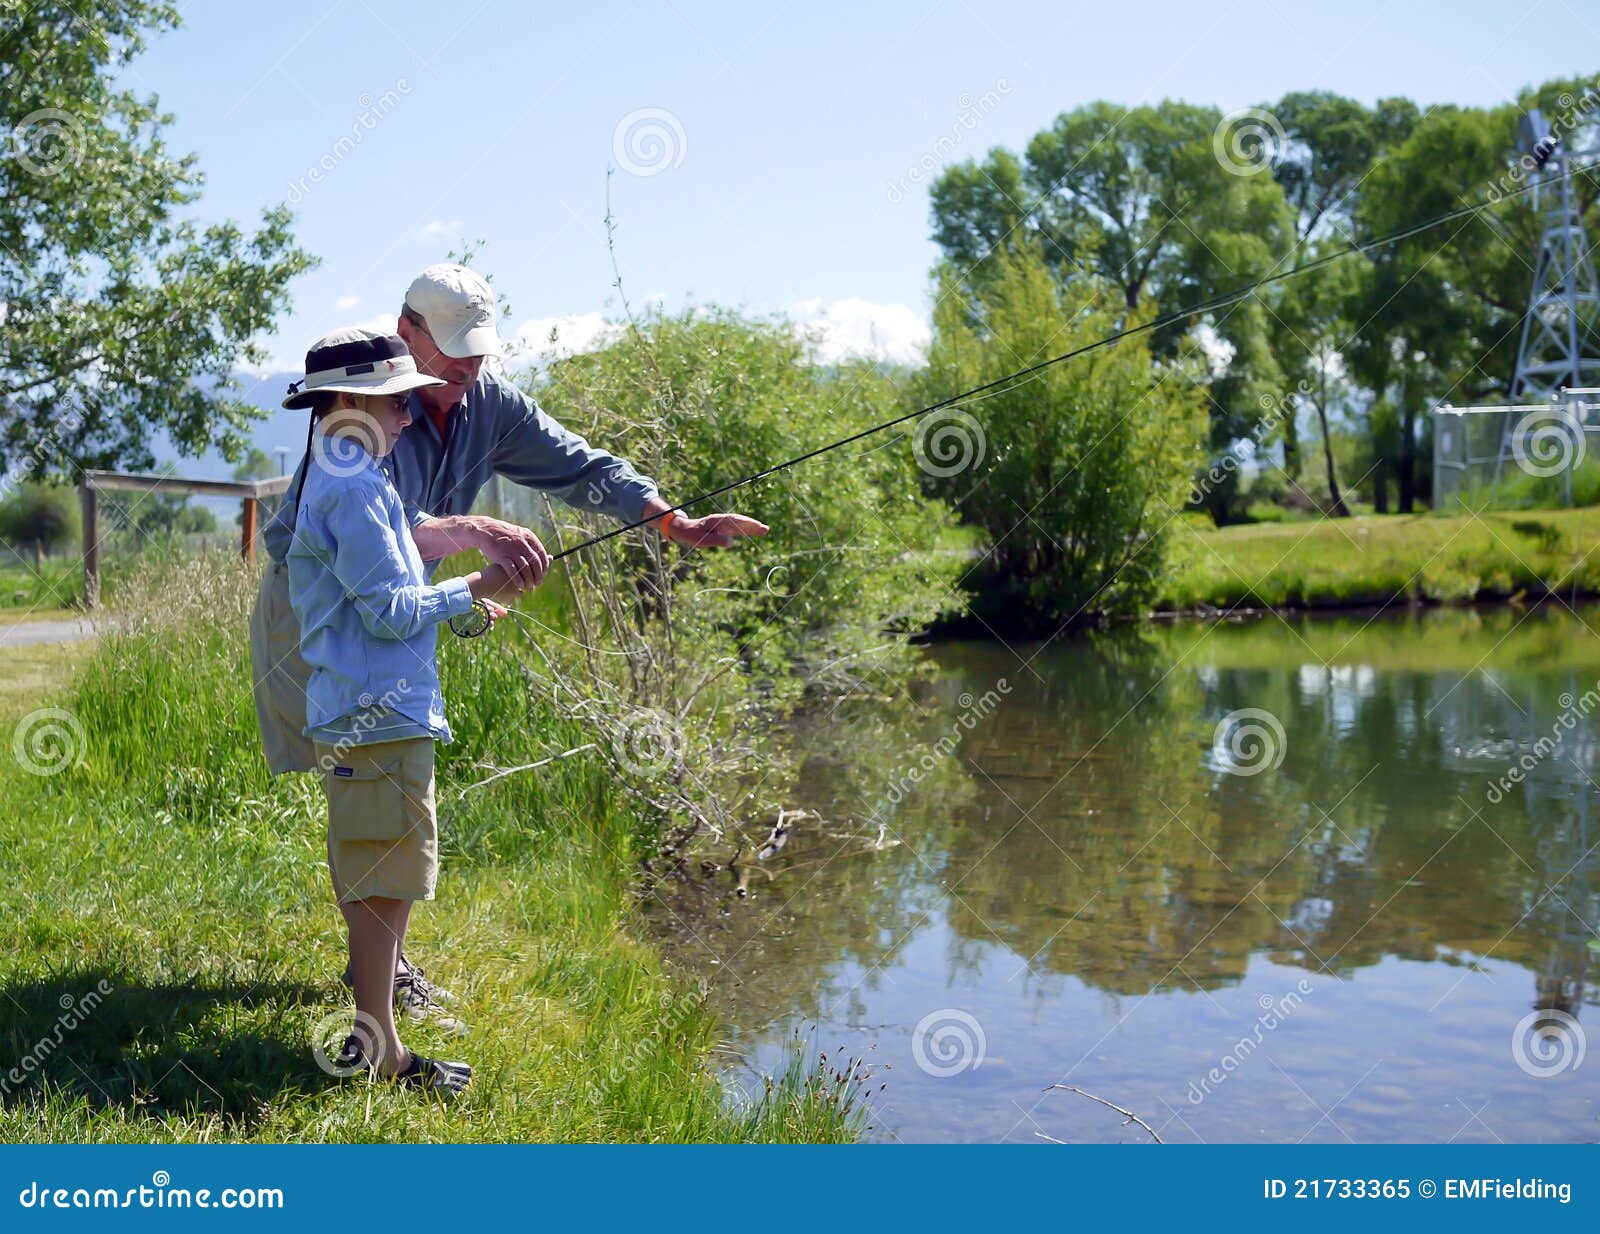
[(538, 451), (534, 449), (515, 549)]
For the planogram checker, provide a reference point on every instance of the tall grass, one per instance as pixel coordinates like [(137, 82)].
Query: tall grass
[(166, 863)]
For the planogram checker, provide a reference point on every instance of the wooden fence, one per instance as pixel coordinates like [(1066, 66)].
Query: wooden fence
[(250, 492)]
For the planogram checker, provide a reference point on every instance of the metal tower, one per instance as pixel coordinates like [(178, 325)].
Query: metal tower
[(1559, 351), (1559, 348)]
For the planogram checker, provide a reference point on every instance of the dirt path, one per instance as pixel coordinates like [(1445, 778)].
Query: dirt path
[(27, 633)]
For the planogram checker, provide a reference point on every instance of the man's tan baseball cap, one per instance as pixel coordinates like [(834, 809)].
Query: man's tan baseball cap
[(458, 308)]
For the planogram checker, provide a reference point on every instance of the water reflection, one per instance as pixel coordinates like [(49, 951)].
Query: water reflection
[(1153, 840)]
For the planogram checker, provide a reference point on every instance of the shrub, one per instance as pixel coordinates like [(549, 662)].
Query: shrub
[(680, 661), (1084, 465)]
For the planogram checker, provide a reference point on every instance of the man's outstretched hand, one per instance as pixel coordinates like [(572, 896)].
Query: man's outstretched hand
[(714, 530)]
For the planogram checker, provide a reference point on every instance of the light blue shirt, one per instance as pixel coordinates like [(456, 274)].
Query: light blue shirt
[(496, 429), (368, 615)]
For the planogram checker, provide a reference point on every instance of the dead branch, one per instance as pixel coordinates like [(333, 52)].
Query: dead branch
[(543, 762), (1130, 1116)]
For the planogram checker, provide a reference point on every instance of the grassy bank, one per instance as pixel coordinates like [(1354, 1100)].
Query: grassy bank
[(1377, 559), (166, 864)]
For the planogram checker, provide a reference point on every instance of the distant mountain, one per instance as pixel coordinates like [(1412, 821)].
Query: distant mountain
[(280, 428)]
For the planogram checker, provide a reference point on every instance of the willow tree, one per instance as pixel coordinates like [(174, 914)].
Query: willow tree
[(1075, 474)]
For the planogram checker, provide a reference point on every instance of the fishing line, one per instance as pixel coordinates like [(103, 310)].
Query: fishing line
[(478, 620), (1003, 383)]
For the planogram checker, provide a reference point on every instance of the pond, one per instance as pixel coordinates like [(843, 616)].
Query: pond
[(1282, 879)]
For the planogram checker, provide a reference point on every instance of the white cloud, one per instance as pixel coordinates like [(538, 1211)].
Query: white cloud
[(575, 332), (383, 323), (346, 302), (842, 328), (440, 229), (856, 327)]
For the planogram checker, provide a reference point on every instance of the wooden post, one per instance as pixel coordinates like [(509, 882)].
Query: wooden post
[(91, 545), (247, 532)]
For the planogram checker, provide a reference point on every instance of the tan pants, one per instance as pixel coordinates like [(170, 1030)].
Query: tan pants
[(279, 673)]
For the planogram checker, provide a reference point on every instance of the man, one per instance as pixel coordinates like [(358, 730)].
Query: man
[(472, 426)]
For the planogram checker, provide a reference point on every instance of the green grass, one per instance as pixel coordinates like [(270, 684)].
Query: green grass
[(40, 593), (166, 863), (1376, 559)]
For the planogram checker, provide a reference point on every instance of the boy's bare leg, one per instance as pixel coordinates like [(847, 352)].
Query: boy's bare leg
[(377, 930), (344, 909)]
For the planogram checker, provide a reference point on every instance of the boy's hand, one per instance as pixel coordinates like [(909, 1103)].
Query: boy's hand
[(496, 611), (493, 585)]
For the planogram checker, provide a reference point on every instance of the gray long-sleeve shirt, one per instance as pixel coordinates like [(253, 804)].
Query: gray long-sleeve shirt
[(497, 429)]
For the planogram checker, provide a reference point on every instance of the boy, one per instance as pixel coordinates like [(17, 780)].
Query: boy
[(368, 619)]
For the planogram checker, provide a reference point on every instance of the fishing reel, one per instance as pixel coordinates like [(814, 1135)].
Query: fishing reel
[(475, 621)]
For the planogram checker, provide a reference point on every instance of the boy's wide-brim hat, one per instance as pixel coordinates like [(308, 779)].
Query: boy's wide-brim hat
[(357, 361)]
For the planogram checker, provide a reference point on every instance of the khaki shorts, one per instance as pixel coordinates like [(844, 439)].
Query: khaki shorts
[(279, 674), (383, 839)]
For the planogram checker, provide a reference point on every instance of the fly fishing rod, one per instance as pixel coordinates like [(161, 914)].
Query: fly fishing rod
[(478, 620)]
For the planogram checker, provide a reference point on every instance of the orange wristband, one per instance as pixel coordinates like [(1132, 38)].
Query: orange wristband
[(664, 526)]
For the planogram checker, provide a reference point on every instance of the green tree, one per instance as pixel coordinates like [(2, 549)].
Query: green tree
[(40, 516), (257, 464), (694, 655), (1156, 202), (122, 316), (1077, 473), (1438, 311), (1331, 143), (1313, 326)]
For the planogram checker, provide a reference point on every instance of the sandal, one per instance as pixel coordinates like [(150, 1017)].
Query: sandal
[(429, 1074)]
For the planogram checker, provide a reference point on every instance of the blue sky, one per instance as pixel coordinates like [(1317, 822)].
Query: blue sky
[(790, 130)]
